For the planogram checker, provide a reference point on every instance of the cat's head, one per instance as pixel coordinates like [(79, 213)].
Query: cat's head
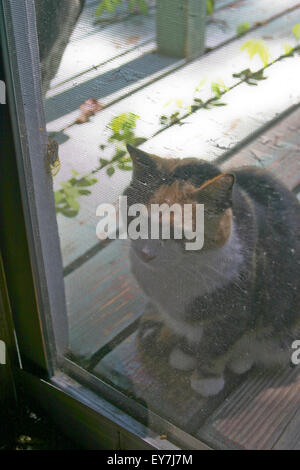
[(171, 181)]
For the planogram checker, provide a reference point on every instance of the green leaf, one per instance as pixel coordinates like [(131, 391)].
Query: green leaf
[(143, 6), (124, 167), (124, 120), (287, 48), (131, 5), (210, 5), (111, 5), (73, 203), (128, 138), (66, 184), (100, 8), (84, 192), (259, 75), (92, 181), (175, 117), (218, 87), (110, 171), (103, 162), (243, 74), (194, 107), (198, 100), (71, 192), (215, 89), (119, 154), (250, 77), (179, 103), (257, 46), (219, 103), (200, 84), (117, 123), (86, 181), (108, 5), (242, 28), (116, 136), (67, 211), (66, 201), (296, 30), (58, 196)]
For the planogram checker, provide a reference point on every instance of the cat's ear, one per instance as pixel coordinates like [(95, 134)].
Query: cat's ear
[(218, 189), (142, 161)]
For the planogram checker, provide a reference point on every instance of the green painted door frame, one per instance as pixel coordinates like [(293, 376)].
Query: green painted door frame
[(180, 27)]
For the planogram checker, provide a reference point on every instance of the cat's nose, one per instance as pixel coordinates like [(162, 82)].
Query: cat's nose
[(146, 254)]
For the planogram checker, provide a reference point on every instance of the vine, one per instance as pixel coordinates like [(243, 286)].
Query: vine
[(123, 133), (110, 6), (123, 126), (137, 6)]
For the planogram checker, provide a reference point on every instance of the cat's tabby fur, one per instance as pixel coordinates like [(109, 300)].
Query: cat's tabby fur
[(235, 302)]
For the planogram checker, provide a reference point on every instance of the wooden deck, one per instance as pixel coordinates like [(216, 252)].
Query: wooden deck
[(259, 126), (248, 110), (104, 340)]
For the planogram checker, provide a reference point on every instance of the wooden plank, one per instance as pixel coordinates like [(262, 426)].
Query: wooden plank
[(111, 84), (103, 46), (92, 82), (260, 413), (83, 53), (102, 299), (88, 24), (161, 389), (224, 127), (150, 102), (277, 150), (180, 27), (211, 133), (224, 28), (290, 438), (256, 414)]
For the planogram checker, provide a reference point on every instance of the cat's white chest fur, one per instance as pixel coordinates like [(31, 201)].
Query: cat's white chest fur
[(172, 285)]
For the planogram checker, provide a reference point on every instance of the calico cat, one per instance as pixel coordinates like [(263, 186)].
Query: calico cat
[(234, 303)]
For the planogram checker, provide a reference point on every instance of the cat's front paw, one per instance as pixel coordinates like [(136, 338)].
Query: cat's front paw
[(207, 386)]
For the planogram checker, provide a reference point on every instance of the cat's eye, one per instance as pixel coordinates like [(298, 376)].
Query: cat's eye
[(174, 349)]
